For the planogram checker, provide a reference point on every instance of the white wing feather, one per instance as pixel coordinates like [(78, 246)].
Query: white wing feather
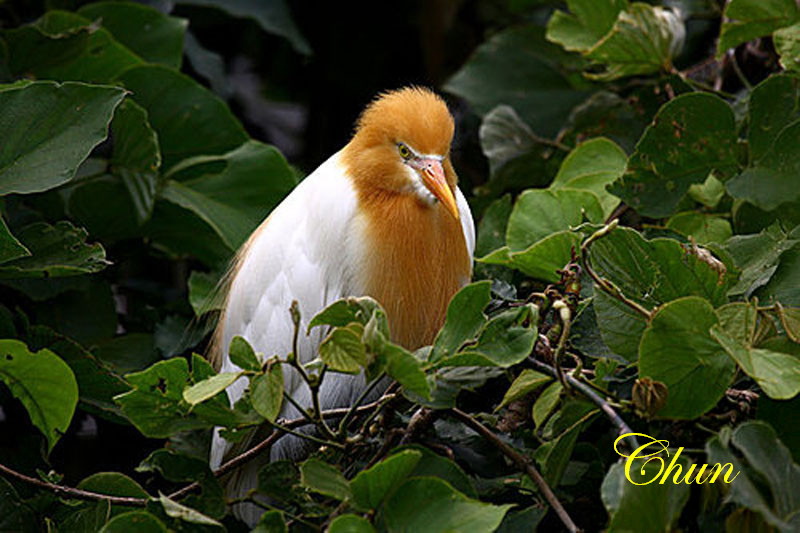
[(308, 250)]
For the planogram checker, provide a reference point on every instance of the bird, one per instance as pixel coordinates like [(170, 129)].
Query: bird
[(382, 217)]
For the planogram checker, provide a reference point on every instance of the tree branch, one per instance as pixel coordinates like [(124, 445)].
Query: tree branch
[(70, 492), (604, 406), (523, 463)]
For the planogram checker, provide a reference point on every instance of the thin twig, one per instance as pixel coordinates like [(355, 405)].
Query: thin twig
[(551, 143), (313, 385), (584, 389), (361, 397), (564, 315), (70, 492), (273, 437), (523, 463), (604, 284), (731, 57), (420, 421), (80, 494)]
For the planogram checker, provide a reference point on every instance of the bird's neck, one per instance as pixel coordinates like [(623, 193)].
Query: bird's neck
[(416, 259)]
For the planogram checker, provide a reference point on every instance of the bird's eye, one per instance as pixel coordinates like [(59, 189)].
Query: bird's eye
[(405, 151)]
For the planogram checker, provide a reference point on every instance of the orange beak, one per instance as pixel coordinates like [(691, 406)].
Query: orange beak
[(433, 177)]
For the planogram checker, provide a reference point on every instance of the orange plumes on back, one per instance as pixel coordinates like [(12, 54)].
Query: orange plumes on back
[(416, 254)]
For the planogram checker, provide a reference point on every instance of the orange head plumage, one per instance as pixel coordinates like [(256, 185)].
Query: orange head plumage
[(402, 145)]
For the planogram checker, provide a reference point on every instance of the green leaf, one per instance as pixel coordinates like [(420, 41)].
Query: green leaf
[(650, 273), (372, 486), (50, 129), (188, 118), (620, 326), (97, 383), (433, 506), (539, 214), (591, 166), (343, 351), (184, 513), (546, 402), (432, 464), (542, 259), (773, 105), (86, 315), (504, 137), (538, 234), (180, 468), (325, 479), (562, 430), (234, 201), (464, 319), (587, 23), (15, 514), (709, 193), (678, 350), (784, 286), (787, 44), (113, 484), (271, 522), (43, 383), (156, 407), (10, 247), (519, 68), (136, 157), (348, 310), (64, 46), (59, 250), (703, 227), (777, 373), (179, 233), (451, 381), (758, 256), (403, 367), (242, 354), (691, 136), (655, 271), (350, 523), (748, 19), (654, 507), (139, 521), (266, 392), (147, 32), (790, 319), (740, 320), (504, 341), (273, 16), (492, 227), (204, 295), (128, 353), (117, 219), (208, 388), (771, 484), (771, 181), (524, 384), (643, 40)]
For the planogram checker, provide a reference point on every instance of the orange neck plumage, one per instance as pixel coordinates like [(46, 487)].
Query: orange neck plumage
[(416, 255)]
